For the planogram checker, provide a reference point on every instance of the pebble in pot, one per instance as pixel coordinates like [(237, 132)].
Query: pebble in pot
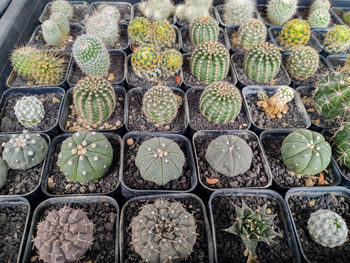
[(29, 111)]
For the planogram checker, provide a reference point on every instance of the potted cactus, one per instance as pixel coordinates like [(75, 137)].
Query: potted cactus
[(124, 9), (277, 12), (191, 9), (156, 10)]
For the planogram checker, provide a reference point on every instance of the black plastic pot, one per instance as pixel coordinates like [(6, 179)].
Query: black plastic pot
[(138, 201), (47, 204), (264, 193), (137, 12), (303, 13), (319, 36), (219, 12), (337, 13), (3, 6), (337, 61), (180, 23), (125, 19), (128, 192)]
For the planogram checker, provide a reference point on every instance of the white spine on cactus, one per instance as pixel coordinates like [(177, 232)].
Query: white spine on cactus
[(103, 27), (284, 95), (29, 111), (157, 10), (280, 11), (51, 33), (238, 11), (319, 18), (320, 4), (193, 9), (111, 11)]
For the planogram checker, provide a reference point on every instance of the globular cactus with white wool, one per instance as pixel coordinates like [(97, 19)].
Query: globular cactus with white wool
[(320, 4), (51, 33), (319, 18), (29, 111), (280, 11), (157, 10), (251, 32), (61, 21), (64, 7), (237, 11), (192, 9), (204, 29)]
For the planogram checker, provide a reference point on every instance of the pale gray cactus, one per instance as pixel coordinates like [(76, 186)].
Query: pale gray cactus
[(29, 111), (51, 33), (63, 7), (61, 21), (157, 10), (238, 11)]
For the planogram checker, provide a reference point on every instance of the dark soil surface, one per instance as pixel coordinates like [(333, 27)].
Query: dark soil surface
[(80, 11), (223, 20), (320, 37), (263, 14), (138, 12), (200, 249), (304, 14), (230, 246), (302, 207), (123, 40), (186, 23), (256, 176), (124, 10), (187, 45), (337, 63)]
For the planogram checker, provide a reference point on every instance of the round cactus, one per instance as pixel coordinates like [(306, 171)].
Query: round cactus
[(110, 11), (138, 31), (220, 103), (85, 156), (24, 151), (29, 111), (320, 4), (51, 33), (157, 10), (306, 152), (341, 145), (303, 62), (171, 62), (160, 160), (337, 39), (22, 60), (262, 62), (163, 35), (327, 228), (65, 235), (295, 33), (251, 32), (94, 99), (63, 7), (283, 95), (204, 29), (145, 62), (192, 9), (229, 155), (238, 11), (280, 11), (163, 232), (61, 21), (319, 18), (3, 172)]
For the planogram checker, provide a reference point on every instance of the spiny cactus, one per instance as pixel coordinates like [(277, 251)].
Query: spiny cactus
[(238, 11), (280, 11), (163, 231), (29, 111), (157, 10), (192, 9), (109, 11), (319, 18), (65, 235), (295, 33), (22, 60), (303, 62), (346, 17), (94, 99), (145, 62), (251, 32), (204, 29), (229, 155), (24, 151), (62, 6), (262, 62), (172, 61), (138, 31), (337, 39), (61, 21), (327, 228), (3, 172), (320, 4), (91, 55), (341, 145), (306, 152), (284, 94), (51, 33), (220, 103), (85, 156)]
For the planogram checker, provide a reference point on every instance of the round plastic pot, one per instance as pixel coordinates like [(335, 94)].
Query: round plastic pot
[(128, 192), (271, 195), (136, 10), (336, 61), (66, 201), (186, 24), (303, 13), (94, 6), (337, 13), (177, 197), (219, 12)]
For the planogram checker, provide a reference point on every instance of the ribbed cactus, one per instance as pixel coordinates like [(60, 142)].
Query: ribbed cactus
[(229, 155), (29, 111), (238, 11), (62, 6), (210, 62), (192, 9), (163, 231), (341, 145), (24, 151), (85, 156), (160, 160), (306, 152), (204, 29), (91, 55), (51, 33), (157, 10), (327, 228), (337, 39), (262, 62), (319, 18), (280, 11), (61, 21), (346, 17), (172, 61), (220, 103), (65, 235), (320, 4), (3, 172), (94, 99), (295, 33), (251, 32), (303, 62), (145, 62)]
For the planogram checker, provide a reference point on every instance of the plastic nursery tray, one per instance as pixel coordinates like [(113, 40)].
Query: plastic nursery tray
[(124, 19), (219, 12), (138, 12), (337, 61)]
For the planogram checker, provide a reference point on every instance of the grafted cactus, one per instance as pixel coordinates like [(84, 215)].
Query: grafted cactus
[(303, 62), (51, 33), (61, 21), (192, 9), (29, 111), (63, 7), (251, 32), (157, 10), (341, 145), (319, 18), (160, 160), (320, 4), (295, 33), (85, 156), (306, 152), (204, 29), (65, 235), (163, 232), (238, 11), (337, 39), (172, 61), (3, 172), (280, 11), (145, 62)]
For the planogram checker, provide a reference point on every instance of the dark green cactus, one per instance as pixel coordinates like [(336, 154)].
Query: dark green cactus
[(204, 29), (251, 32), (341, 145), (3, 172), (303, 62)]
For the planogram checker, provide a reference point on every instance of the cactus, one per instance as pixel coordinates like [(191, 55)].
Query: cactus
[(91, 55), (171, 62), (138, 31), (29, 111), (303, 62), (163, 231), (229, 155), (280, 11), (346, 17), (210, 62), (110, 11), (157, 10), (204, 29), (319, 18), (22, 60), (262, 62), (160, 160), (284, 94), (3, 172), (327, 228), (192, 9), (145, 62), (251, 32), (24, 151), (337, 39), (65, 235), (220, 103), (51, 33), (238, 11), (320, 5), (62, 6), (295, 33), (94, 99), (306, 152), (341, 145), (61, 21)]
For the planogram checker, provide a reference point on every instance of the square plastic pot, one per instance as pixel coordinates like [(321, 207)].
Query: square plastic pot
[(219, 13), (303, 13), (138, 12), (124, 19), (319, 36)]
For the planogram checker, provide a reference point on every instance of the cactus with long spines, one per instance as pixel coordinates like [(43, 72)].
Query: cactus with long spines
[(171, 62), (306, 152), (337, 40), (319, 18), (303, 62), (64, 7), (145, 62), (65, 235), (238, 11), (51, 33), (251, 32), (296, 32), (320, 4), (29, 111), (61, 21), (24, 151), (280, 11), (341, 145), (204, 29), (163, 231), (157, 10), (3, 172), (192, 9), (110, 11)]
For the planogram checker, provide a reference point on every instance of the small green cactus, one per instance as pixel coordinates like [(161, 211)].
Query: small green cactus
[(22, 60), (319, 18), (280, 11), (145, 62), (295, 33), (327, 228), (192, 9), (346, 17), (306, 152), (283, 95), (220, 103), (3, 172), (51, 33), (251, 32), (29, 111), (238, 11), (91, 55), (157, 10), (303, 62), (341, 145), (172, 61), (62, 6), (85, 156), (262, 62), (163, 231), (62, 22), (160, 160), (24, 151), (94, 99), (229, 155), (320, 4), (337, 39), (204, 29)]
